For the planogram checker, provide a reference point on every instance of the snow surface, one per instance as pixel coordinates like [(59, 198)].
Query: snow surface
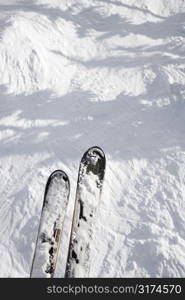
[(78, 73)]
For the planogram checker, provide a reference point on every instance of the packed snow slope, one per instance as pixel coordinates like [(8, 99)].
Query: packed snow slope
[(111, 73)]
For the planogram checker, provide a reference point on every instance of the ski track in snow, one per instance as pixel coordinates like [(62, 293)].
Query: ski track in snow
[(78, 73)]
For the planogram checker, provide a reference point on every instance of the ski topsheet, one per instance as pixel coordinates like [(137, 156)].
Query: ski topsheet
[(51, 225), (89, 187)]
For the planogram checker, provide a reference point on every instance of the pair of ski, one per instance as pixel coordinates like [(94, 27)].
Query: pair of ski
[(57, 191)]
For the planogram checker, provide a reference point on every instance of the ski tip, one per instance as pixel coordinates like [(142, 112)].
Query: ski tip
[(59, 173), (95, 157), (61, 176), (96, 150)]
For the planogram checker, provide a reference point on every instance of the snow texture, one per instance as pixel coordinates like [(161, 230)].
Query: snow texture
[(78, 73)]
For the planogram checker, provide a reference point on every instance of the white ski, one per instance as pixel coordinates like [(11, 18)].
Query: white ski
[(89, 187), (51, 225)]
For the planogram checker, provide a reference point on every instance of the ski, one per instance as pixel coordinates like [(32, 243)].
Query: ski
[(88, 192), (51, 225)]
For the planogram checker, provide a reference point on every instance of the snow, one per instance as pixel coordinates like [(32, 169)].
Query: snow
[(79, 73)]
